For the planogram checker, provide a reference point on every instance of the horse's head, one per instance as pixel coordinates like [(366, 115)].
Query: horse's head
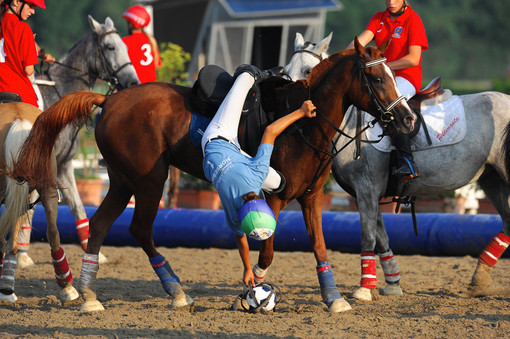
[(112, 61), (375, 90), (306, 56)]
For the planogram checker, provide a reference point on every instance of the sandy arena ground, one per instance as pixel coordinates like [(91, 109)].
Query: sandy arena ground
[(436, 303)]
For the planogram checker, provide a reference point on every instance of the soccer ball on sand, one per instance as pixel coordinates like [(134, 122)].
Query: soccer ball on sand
[(262, 297)]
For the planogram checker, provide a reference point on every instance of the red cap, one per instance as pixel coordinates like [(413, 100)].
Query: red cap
[(137, 15), (39, 3)]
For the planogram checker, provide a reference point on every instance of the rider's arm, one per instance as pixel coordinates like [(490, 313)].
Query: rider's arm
[(244, 251), (277, 127), (364, 38), (410, 60), (29, 70)]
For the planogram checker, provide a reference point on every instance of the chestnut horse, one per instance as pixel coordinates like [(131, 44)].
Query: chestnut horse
[(16, 119), (145, 129)]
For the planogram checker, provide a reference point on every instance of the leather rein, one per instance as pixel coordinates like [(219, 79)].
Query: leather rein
[(385, 116), (111, 74)]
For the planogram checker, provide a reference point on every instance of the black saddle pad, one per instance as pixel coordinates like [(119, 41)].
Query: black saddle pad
[(9, 97)]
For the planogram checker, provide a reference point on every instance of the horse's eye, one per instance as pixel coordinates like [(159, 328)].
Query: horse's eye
[(110, 47), (378, 81), (307, 71)]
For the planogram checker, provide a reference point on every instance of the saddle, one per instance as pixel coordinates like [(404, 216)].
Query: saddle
[(6, 97), (433, 89), (212, 86)]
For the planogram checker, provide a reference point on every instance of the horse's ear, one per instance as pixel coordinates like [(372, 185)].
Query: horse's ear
[(299, 42), (109, 23), (360, 50), (323, 45), (382, 48), (94, 24)]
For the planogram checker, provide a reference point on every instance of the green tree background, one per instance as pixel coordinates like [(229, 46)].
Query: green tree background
[(468, 39)]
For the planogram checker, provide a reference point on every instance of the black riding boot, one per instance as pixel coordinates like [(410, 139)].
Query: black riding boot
[(406, 167)]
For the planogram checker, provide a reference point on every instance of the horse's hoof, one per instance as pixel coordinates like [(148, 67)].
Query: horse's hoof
[(12, 298), (182, 302), (481, 277), (24, 260), (91, 306), (68, 294), (240, 304), (392, 290), (363, 294), (102, 259), (339, 305)]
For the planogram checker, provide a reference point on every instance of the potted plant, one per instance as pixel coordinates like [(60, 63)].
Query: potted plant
[(88, 182), (197, 193)]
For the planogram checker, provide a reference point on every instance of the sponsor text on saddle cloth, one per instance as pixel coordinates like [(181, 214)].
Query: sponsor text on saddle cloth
[(445, 121)]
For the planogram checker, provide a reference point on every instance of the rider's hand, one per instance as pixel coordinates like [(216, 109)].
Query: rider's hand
[(47, 58), (248, 277), (308, 109)]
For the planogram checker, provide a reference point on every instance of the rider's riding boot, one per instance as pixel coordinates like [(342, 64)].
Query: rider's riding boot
[(258, 75), (406, 168)]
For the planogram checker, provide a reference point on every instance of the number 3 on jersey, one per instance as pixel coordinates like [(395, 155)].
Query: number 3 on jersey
[(147, 52)]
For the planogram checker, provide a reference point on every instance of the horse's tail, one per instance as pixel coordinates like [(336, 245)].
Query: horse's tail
[(33, 165), (506, 150), (16, 195)]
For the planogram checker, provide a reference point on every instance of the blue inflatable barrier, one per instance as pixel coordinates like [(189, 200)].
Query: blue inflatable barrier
[(439, 234)]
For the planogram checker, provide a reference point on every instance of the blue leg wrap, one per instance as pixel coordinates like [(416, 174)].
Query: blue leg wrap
[(170, 281), (329, 291)]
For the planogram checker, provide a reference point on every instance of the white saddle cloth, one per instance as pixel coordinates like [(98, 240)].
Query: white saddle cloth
[(446, 123)]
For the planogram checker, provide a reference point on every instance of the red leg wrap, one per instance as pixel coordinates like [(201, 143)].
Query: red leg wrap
[(24, 238), (368, 276), (82, 227), (495, 249), (62, 271)]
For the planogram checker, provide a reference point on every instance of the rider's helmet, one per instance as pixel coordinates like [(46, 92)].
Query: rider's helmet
[(257, 219), (39, 3), (137, 15)]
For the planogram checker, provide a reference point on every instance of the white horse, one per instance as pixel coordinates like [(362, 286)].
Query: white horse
[(477, 157), (100, 55)]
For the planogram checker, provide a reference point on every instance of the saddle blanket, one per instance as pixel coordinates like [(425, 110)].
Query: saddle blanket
[(446, 123)]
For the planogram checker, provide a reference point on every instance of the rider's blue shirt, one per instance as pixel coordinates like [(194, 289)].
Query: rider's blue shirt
[(234, 174)]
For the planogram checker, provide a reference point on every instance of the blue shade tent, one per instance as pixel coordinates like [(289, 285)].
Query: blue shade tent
[(239, 8)]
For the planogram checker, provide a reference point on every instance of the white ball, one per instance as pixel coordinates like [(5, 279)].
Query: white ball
[(261, 293)]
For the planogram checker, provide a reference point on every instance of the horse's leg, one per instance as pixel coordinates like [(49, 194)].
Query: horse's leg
[(66, 179), (113, 205), (369, 211), (387, 260), (311, 206), (498, 192), (24, 259), (147, 197), (63, 275), (173, 188), (8, 274)]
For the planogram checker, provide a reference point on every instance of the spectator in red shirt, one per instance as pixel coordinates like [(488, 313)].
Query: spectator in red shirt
[(400, 23), (142, 47), (18, 51)]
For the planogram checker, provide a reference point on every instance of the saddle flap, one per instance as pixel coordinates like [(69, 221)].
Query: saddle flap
[(433, 89), (6, 97)]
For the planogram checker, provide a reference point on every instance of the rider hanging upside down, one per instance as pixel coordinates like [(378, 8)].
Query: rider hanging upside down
[(239, 178), (400, 23)]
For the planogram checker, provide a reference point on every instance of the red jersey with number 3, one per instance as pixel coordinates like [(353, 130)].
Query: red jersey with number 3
[(404, 31), (17, 50), (142, 56)]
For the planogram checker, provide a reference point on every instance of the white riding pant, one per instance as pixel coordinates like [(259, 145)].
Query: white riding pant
[(226, 123), (405, 87)]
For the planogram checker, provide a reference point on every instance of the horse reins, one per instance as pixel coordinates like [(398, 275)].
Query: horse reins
[(110, 76), (386, 116)]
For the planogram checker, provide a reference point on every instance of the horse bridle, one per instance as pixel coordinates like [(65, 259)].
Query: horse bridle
[(304, 50), (386, 115), (110, 76)]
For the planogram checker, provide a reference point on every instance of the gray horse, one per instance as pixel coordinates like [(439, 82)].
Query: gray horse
[(477, 157), (100, 55)]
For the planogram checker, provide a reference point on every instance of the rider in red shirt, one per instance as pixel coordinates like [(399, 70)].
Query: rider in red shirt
[(400, 23), (18, 53), (142, 47)]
